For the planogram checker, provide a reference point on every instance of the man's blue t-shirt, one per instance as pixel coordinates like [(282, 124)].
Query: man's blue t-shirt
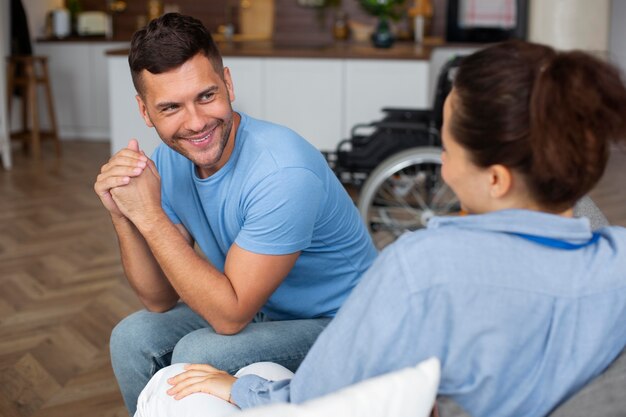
[(276, 195)]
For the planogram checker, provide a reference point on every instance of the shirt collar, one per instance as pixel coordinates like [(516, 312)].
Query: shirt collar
[(527, 222)]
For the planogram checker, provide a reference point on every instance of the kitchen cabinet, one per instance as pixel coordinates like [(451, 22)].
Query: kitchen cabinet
[(79, 80), (373, 84), (319, 98), (307, 96), (248, 77), (125, 120)]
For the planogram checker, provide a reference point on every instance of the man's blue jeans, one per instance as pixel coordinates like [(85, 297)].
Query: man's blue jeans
[(145, 342)]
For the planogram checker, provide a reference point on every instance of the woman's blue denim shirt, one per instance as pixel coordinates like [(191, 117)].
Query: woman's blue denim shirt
[(519, 321)]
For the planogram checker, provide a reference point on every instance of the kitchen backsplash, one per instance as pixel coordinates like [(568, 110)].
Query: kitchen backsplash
[(297, 24), (292, 24)]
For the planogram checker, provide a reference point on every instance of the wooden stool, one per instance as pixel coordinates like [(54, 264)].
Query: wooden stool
[(26, 73)]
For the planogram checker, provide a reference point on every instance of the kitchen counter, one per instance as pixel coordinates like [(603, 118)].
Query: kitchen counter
[(121, 38), (75, 38), (336, 50)]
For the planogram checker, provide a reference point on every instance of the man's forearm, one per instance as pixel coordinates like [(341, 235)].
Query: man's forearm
[(142, 270), (203, 287)]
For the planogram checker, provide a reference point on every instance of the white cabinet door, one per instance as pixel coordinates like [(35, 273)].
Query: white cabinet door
[(100, 88), (69, 67), (306, 95), (79, 80), (126, 121), (374, 84), (247, 75)]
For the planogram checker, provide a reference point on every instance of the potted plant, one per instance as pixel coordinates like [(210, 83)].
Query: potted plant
[(382, 37)]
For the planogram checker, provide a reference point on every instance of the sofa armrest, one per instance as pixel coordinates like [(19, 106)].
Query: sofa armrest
[(602, 397)]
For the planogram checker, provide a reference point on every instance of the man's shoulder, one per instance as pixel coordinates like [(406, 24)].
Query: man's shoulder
[(279, 146), (260, 126), (272, 136)]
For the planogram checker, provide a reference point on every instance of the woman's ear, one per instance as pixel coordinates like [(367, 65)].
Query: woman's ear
[(500, 181)]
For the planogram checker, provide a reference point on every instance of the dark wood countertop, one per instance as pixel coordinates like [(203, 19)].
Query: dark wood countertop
[(83, 39), (337, 50)]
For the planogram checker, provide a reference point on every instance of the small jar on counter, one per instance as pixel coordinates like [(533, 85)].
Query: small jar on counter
[(341, 30)]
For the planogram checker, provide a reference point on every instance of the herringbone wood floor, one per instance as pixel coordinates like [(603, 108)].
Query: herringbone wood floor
[(62, 288)]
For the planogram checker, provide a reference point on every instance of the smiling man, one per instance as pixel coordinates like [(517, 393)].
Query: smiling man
[(236, 236)]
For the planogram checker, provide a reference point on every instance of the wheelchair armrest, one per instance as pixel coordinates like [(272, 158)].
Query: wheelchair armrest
[(400, 125), (391, 112), (405, 126), (355, 128), (341, 145), (404, 110)]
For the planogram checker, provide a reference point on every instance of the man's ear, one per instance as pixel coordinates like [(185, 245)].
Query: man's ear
[(143, 110), (229, 84), (500, 181)]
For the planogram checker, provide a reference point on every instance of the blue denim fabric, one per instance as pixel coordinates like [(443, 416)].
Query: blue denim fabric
[(145, 342)]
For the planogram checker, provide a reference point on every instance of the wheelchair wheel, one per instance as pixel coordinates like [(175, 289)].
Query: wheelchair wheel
[(403, 193)]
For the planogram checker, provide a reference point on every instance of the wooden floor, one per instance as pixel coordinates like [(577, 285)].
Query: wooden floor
[(62, 288)]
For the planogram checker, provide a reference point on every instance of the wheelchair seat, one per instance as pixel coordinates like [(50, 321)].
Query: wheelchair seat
[(396, 164), (401, 128)]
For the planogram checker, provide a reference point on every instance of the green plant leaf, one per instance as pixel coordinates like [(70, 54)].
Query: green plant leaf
[(384, 8)]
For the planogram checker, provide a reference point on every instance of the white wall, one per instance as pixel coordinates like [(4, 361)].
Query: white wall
[(617, 37), (571, 24), (5, 145)]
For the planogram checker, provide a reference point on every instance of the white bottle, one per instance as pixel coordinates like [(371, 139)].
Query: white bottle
[(61, 23)]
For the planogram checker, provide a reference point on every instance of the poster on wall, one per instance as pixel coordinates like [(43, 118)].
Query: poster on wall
[(487, 14)]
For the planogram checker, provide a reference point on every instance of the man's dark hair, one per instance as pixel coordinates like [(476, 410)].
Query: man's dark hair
[(167, 43)]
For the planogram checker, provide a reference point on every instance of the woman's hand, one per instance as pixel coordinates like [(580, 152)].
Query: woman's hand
[(202, 378)]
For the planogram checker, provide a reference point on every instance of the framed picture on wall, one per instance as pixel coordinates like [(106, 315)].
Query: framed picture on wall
[(484, 21)]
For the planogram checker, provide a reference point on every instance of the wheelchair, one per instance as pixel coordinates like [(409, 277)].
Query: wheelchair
[(395, 164)]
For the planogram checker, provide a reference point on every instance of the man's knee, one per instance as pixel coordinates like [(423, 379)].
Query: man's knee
[(136, 334), (205, 346), (259, 342), (228, 353)]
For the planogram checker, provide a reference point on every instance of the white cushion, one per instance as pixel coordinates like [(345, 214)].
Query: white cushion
[(409, 392)]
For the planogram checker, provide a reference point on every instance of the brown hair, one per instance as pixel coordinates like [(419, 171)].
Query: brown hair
[(168, 42), (547, 115)]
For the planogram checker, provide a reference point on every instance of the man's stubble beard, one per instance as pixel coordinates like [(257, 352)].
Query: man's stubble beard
[(223, 141)]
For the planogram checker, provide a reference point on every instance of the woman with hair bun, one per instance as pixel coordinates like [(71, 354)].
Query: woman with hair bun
[(522, 303)]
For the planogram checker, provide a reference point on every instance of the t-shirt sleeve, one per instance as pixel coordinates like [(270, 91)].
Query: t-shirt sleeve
[(280, 212)]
